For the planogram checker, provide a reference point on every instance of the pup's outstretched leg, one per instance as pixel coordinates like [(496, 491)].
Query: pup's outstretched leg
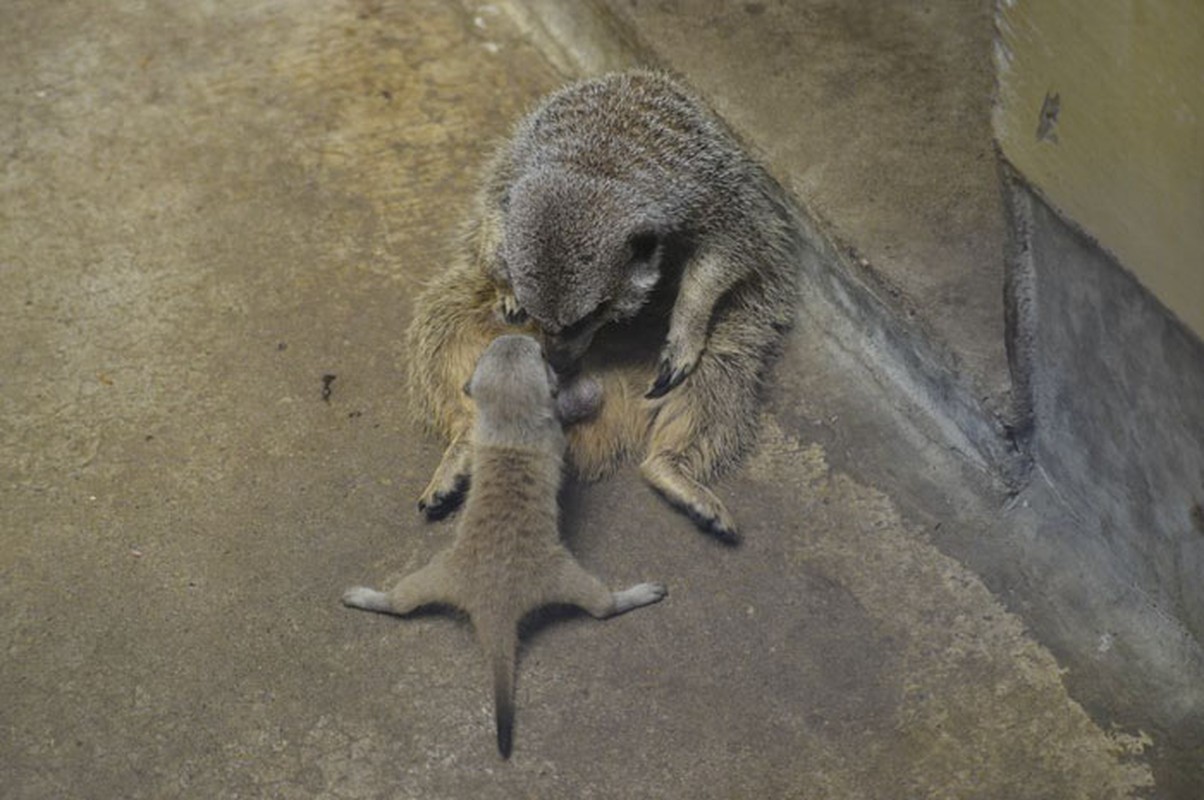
[(427, 586), (577, 587)]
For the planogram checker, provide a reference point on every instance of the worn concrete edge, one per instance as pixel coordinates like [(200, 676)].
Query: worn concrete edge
[(1019, 298), (1018, 211), (856, 302), (1157, 687)]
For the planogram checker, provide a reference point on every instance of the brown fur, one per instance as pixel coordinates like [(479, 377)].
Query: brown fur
[(507, 559), (611, 187)]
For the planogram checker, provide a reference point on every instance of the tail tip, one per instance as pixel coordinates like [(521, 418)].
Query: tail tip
[(505, 743), (505, 734)]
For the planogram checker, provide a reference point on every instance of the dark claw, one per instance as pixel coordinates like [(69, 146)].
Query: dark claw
[(444, 503), (515, 317), (725, 536), (666, 380), (713, 528)]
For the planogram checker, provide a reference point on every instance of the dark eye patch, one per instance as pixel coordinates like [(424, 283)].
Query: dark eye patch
[(643, 245)]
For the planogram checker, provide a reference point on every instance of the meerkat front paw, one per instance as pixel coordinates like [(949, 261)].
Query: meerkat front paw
[(449, 484), (678, 360), (443, 495), (509, 310)]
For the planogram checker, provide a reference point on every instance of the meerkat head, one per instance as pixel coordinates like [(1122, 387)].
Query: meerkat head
[(579, 252), (512, 381), (515, 388)]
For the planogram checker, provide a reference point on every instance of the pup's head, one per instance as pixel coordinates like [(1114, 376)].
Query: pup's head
[(512, 380), (512, 383), (579, 252)]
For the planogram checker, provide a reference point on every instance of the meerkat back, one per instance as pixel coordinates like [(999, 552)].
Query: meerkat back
[(507, 559)]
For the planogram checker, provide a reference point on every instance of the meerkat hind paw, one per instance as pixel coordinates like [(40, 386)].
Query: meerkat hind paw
[(642, 594), (698, 502), (715, 521), (365, 598)]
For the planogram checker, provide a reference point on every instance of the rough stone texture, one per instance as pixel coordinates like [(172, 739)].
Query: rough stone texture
[(207, 211), (1118, 397), (876, 114), (1116, 387)]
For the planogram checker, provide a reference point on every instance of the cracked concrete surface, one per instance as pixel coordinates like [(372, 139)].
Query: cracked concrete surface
[(206, 209)]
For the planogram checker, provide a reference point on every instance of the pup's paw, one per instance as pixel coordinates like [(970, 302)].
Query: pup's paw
[(650, 592), (365, 598), (642, 594)]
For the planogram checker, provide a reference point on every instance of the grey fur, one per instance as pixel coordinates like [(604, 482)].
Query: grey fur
[(612, 190), (507, 559)]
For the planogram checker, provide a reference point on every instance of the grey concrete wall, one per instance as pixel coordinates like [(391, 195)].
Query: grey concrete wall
[(1105, 549), (1117, 394), (875, 116)]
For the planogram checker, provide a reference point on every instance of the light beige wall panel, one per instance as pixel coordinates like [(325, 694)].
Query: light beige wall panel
[(1101, 107)]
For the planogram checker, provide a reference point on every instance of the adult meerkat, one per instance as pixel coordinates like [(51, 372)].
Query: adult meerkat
[(621, 199), (507, 559)]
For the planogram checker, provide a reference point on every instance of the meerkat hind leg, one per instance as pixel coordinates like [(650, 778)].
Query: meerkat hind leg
[(427, 586), (698, 502), (450, 481), (577, 587), (707, 425)]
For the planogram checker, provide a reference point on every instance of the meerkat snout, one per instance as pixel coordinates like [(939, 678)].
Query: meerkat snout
[(595, 258)]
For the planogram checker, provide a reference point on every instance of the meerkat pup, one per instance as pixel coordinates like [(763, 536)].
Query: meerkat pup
[(621, 200), (507, 558)]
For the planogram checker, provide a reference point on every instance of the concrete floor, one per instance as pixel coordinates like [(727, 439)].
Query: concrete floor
[(206, 210)]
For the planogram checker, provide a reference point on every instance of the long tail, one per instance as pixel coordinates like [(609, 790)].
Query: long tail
[(503, 702), (501, 645)]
